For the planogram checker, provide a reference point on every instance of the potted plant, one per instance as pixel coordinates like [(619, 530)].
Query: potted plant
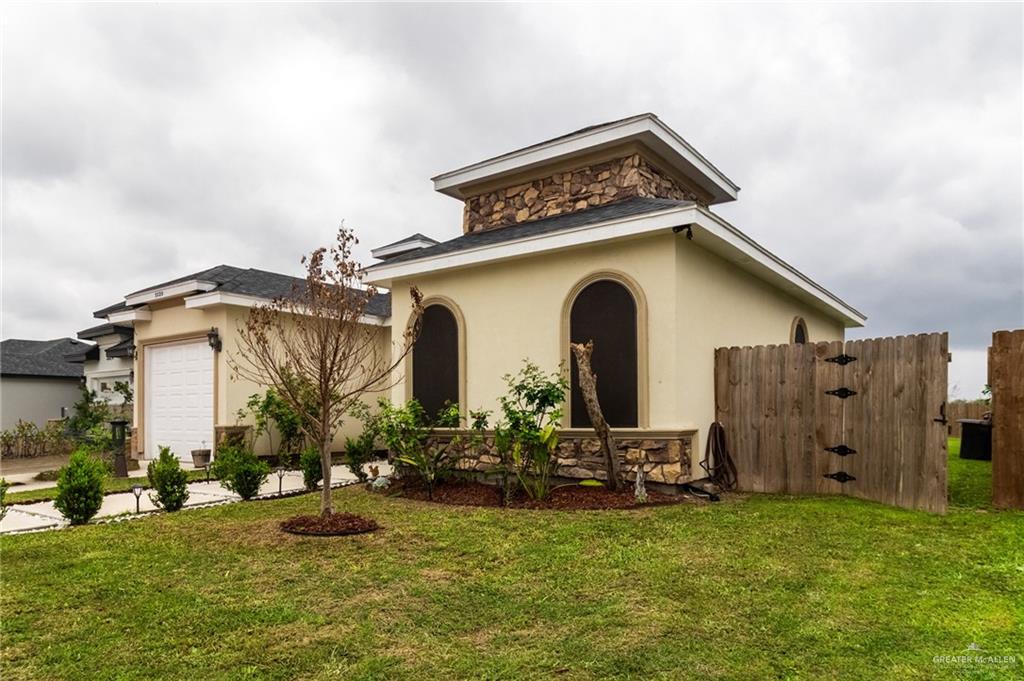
[(201, 457)]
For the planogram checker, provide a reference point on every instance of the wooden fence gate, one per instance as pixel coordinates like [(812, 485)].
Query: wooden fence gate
[(864, 418), (1006, 377)]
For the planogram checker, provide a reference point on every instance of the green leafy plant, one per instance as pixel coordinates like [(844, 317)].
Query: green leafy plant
[(270, 412), (3, 497), (26, 439), (90, 411), (168, 480), (526, 437), (239, 470), (309, 462), (125, 391), (358, 451), (407, 431), (80, 487)]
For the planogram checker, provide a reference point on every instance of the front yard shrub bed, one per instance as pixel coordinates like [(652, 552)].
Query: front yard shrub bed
[(330, 525), (567, 498)]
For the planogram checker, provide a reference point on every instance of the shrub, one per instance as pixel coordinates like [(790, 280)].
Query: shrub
[(3, 497), (358, 451), (168, 480), (80, 487), (25, 439), (407, 431), (312, 471), (90, 411), (239, 470), (527, 435)]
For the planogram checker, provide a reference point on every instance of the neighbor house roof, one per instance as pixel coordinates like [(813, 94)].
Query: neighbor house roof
[(247, 283), (646, 129), (43, 359), (105, 330)]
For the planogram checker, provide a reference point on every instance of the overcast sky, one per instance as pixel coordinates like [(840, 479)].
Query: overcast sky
[(879, 148)]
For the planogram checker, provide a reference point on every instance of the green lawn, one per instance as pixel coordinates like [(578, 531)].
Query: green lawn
[(111, 484), (749, 588)]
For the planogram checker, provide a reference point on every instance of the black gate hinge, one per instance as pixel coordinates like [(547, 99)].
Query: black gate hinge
[(841, 477), (841, 450), (842, 360), (841, 393)]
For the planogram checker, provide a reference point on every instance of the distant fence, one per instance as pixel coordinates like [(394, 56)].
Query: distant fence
[(964, 409), (1006, 377), (862, 418)]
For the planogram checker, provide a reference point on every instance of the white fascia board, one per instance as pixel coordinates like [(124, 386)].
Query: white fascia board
[(383, 273), (713, 233), (204, 300), (735, 246), (404, 247), (139, 314), (646, 127), (171, 291)]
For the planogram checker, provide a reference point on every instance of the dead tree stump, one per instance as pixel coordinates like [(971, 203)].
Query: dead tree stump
[(588, 386)]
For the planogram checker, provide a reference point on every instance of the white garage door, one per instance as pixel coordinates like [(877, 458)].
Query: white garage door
[(179, 398)]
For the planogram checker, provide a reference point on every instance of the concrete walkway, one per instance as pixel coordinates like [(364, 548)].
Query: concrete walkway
[(43, 515)]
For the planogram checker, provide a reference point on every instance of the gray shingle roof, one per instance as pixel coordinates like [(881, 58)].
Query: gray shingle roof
[(591, 216), (41, 358), (105, 330), (125, 348), (414, 237), (256, 283)]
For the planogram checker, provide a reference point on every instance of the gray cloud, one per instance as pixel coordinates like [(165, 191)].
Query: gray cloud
[(879, 147)]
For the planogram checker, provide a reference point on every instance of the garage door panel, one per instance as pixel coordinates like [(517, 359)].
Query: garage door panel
[(179, 398)]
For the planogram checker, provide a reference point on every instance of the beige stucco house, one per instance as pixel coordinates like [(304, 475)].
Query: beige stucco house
[(184, 331), (608, 234)]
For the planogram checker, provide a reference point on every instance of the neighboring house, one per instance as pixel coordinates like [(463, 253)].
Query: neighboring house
[(607, 234), (109, 361), (183, 331), (37, 382)]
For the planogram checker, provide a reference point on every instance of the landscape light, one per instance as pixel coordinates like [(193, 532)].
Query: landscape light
[(280, 479), (137, 491)]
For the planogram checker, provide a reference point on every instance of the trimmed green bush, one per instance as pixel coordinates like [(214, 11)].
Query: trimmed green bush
[(312, 471), (358, 451), (168, 480), (80, 487), (3, 497), (239, 470)]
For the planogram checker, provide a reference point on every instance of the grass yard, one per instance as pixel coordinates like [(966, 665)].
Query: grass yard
[(754, 587)]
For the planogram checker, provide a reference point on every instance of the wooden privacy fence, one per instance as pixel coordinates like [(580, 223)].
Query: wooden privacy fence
[(1006, 377), (964, 409), (863, 418)]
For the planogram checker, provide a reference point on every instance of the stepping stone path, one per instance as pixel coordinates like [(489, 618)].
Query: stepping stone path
[(44, 515)]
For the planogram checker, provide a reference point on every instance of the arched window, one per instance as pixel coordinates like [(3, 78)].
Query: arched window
[(435, 360), (799, 333), (605, 312)]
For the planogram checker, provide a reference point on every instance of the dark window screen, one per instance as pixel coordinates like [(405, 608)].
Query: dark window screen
[(800, 332), (435, 360), (605, 313)]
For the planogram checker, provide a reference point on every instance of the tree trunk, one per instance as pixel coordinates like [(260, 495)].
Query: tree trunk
[(588, 387), (326, 507)]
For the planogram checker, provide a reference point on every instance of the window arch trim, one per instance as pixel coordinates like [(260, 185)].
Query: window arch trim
[(798, 321), (640, 301), (460, 324)]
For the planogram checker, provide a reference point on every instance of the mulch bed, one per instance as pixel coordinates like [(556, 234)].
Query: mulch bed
[(326, 526), (569, 498)]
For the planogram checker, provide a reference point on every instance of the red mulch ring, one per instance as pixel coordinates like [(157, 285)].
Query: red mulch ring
[(569, 498), (327, 526)]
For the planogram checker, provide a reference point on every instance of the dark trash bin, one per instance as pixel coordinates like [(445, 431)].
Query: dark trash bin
[(976, 439)]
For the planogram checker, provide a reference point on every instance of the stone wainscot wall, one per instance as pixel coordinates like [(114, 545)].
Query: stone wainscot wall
[(666, 456), (573, 190)]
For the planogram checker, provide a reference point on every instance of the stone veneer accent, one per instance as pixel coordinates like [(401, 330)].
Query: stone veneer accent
[(573, 190), (666, 457)]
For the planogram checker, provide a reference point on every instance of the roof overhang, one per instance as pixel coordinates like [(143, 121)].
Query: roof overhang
[(710, 232), (391, 250), (138, 314), (205, 300), (180, 288), (646, 129)]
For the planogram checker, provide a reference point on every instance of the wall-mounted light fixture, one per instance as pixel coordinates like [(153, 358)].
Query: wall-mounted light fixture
[(213, 337)]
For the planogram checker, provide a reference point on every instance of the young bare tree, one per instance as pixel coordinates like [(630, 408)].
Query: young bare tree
[(318, 351)]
